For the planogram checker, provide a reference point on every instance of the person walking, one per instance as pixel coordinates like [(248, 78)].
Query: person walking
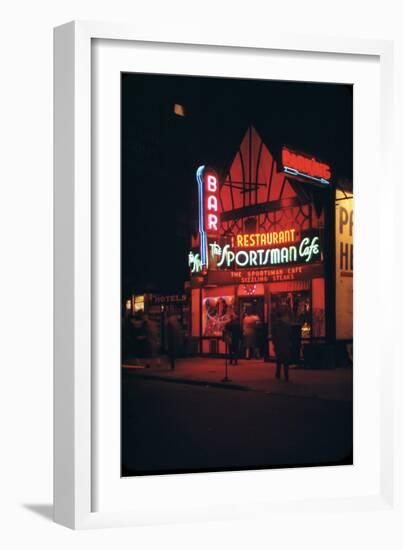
[(281, 333), (153, 341), (249, 326), (139, 334), (263, 341), (173, 339), (233, 335)]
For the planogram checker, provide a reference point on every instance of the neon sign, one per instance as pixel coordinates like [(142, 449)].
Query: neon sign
[(194, 262), (307, 251), (211, 203), (207, 187), (251, 240), (288, 248), (297, 164), (272, 274)]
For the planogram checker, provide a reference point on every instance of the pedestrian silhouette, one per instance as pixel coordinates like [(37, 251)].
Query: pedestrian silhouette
[(250, 322), (233, 335), (173, 339), (281, 333), (139, 333)]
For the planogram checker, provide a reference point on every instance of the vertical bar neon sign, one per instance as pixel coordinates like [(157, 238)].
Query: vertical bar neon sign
[(203, 236), (207, 187)]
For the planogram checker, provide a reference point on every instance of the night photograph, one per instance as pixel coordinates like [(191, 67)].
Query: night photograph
[(236, 274)]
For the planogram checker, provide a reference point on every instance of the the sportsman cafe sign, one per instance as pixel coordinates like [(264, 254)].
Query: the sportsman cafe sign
[(258, 250), (248, 250), (307, 250)]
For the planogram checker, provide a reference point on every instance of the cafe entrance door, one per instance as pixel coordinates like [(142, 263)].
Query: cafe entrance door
[(251, 305), (258, 344)]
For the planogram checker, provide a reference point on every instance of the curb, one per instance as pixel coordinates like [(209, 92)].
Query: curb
[(224, 385)]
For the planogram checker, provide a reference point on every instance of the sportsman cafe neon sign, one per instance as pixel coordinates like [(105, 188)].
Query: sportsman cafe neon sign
[(262, 250), (306, 251)]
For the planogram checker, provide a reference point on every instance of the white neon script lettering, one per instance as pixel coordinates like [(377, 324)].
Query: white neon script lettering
[(195, 262), (212, 203), (215, 249), (212, 222), (225, 251), (271, 256), (308, 250)]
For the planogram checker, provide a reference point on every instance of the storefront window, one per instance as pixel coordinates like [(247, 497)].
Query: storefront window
[(217, 312), (139, 303), (296, 308)]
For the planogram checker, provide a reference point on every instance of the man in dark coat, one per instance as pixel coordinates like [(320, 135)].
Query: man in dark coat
[(281, 333), (173, 339)]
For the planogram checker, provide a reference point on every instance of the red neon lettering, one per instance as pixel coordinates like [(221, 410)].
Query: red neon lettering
[(306, 165)]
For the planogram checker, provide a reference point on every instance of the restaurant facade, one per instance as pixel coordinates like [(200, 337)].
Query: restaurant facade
[(274, 233)]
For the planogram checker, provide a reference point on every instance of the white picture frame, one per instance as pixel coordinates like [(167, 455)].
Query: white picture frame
[(78, 418)]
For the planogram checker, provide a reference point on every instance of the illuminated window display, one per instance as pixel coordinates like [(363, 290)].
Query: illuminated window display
[(217, 313), (296, 307)]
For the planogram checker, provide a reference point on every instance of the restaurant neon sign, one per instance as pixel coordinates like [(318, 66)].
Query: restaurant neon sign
[(252, 240)]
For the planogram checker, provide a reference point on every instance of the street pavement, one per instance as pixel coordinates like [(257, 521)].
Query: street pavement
[(184, 427), (252, 375)]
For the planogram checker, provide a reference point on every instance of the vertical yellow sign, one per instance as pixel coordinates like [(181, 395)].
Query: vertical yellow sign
[(344, 265)]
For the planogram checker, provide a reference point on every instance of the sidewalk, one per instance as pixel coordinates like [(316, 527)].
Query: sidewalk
[(253, 375)]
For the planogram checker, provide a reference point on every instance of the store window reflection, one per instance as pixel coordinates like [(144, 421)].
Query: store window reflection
[(296, 308)]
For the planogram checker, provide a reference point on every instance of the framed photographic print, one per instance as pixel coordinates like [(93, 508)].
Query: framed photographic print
[(212, 202), (236, 274)]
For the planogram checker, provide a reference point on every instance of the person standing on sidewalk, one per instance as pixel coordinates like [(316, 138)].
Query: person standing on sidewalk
[(249, 324), (153, 341), (173, 339), (233, 335), (138, 325), (263, 338), (281, 333)]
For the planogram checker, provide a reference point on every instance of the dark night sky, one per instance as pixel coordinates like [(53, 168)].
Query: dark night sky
[(161, 151)]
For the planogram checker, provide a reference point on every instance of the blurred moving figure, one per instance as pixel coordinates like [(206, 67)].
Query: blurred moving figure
[(233, 336), (281, 333), (153, 341), (250, 324), (173, 338), (139, 333), (263, 341)]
